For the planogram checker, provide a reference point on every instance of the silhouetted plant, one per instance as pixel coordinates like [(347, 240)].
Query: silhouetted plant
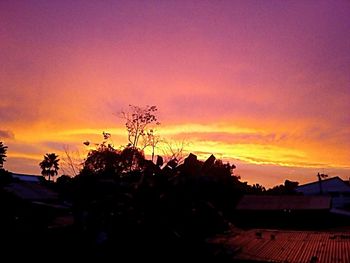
[(257, 189), (103, 160), (110, 162), (288, 188), (71, 162), (174, 151), (138, 119), (3, 150), (50, 165), (64, 180), (151, 139), (132, 158), (5, 177)]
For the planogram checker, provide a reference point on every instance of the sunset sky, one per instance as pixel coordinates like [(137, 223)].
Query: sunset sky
[(262, 84)]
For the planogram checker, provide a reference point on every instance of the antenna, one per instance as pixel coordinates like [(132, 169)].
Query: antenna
[(320, 176)]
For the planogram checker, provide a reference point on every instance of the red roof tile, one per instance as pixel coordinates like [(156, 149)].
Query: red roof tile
[(290, 246)]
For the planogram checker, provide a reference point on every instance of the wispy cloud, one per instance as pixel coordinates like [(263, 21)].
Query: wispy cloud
[(231, 138), (6, 134)]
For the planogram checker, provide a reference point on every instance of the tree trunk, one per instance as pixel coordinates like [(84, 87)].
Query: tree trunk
[(152, 153)]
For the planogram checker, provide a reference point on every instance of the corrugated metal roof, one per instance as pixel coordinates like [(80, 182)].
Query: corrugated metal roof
[(336, 178), (290, 246), (26, 177), (282, 202), (334, 184)]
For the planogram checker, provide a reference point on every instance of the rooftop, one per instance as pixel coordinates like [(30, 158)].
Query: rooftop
[(289, 246), (31, 191), (326, 180), (281, 202), (26, 177)]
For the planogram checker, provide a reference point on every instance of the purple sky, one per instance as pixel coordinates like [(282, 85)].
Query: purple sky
[(262, 83)]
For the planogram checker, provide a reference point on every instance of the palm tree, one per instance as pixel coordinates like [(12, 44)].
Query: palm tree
[(3, 150), (49, 165)]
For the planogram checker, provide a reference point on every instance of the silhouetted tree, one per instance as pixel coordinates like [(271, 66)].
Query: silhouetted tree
[(5, 177), (3, 150), (64, 185), (132, 158), (138, 119), (63, 179), (102, 161), (50, 165), (257, 189), (151, 139), (174, 151), (110, 162), (71, 162), (289, 188)]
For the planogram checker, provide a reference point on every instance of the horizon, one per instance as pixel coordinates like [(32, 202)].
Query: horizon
[(310, 181), (263, 85)]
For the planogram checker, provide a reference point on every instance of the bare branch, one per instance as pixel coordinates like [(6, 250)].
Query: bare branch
[(137, 121), (174, 150), (72, 161)]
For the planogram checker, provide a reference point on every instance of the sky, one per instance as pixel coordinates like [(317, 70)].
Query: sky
[(262, 84)]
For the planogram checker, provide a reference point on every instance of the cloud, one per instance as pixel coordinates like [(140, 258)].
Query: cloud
[(7, 134), (237, 138), (22, 165), (270, 175), (292, 163)]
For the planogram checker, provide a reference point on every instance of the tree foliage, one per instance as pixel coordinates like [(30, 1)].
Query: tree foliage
[(50, 165), (102, 160), (288, 188), (3, 150), (109, 162)]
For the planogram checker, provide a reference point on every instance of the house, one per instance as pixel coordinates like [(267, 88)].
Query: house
[(30, 188), (33, 213), (32, 201), (335, 187), (283, 211), (31, 191)]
